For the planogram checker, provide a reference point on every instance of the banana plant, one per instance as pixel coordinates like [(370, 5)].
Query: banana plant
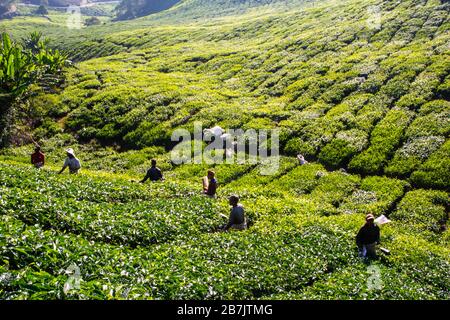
[(17, 70), (20, 67), (35, 42)]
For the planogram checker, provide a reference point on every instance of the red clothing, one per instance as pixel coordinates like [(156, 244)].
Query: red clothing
[(38, 159)]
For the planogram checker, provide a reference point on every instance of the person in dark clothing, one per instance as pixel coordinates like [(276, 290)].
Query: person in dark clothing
[(367, 238), (237, 219), (154, 173), (210, 184), (38, 158)]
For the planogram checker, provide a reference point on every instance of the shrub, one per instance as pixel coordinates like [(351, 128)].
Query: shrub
[(297, 145), (92, 21), (342, 148), (435, 172), (373, 111), (375, 195), (255, 179), (332, 189), (398, 86), (431, 123), (443, 91), (409, 157), (302, 179), (384, 139), (423, 209)]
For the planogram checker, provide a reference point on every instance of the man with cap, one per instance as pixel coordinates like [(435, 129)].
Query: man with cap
[(38, 158), (72, 162), (367, 238)]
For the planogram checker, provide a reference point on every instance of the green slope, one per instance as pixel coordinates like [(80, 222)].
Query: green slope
[(372, 100)]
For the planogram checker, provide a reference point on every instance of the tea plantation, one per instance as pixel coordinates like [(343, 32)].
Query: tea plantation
[(158, 241), (364, 97)]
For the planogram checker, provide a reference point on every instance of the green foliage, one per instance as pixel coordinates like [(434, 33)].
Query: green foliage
[(384, 139), (92, 21), (342, 148), (297, 145), (434, 173), (302, 179), (332, 189), (134, 241), (17, 70), (424, 136), (20, 68), (423, 210), (375, 194), (330, 89)]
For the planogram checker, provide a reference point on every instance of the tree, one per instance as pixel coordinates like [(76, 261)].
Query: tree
[(22, 65), (130, 9), (5, 6), (92, 21), (41, 10)]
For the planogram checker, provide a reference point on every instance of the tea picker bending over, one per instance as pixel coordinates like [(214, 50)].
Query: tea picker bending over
[(38, 158), (237, 220), (367, 238), (301, 159), (154, 173), (72, 162)]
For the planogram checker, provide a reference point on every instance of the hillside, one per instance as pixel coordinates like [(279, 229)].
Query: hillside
[(130, 9), (371, 101), (361, 88)]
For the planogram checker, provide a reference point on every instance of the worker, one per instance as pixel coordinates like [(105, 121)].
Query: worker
[(38, 158), (237, 219), (367, 238), (153, 174), (71, 162)]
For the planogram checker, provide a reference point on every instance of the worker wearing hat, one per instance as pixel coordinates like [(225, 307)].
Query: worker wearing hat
[(367, 238), (72, 162)]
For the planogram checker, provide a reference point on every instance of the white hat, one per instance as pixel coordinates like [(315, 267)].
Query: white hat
[(70, 151)]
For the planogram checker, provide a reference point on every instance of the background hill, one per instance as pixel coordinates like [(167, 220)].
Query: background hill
[(345, 91), (130, 9)]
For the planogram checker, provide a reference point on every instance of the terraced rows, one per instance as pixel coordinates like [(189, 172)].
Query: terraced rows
[(371, 100), (157, 244)]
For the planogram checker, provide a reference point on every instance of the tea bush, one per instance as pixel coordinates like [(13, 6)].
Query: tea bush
[(423, 209), (377, 195), (134, 241), (385, 137), (434, 173)]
